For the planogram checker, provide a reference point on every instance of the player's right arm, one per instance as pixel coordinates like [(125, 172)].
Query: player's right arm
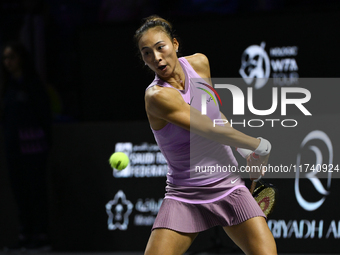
[(251, 161), (167, 105)]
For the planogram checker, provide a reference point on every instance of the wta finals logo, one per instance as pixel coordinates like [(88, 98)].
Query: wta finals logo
[(255, 64), (280, 63)]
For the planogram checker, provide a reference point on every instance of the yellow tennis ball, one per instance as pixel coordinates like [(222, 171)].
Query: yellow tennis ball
[(119, 160)]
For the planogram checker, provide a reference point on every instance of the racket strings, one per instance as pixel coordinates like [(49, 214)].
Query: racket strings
[(265, 199), (265, 196)]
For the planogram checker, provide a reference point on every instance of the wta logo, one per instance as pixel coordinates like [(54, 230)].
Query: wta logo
[(255, 65), (204, 97)]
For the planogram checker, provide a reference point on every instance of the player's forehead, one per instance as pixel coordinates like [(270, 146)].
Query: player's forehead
[(153, 36)]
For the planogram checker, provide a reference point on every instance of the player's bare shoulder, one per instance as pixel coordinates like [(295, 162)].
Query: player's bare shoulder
[(159, 99), (156, 94), (151, 92), (160, 103), (197, 59), (152, 100), (200, 63)]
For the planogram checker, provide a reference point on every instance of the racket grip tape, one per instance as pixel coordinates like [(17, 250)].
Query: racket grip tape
[(252, 187)]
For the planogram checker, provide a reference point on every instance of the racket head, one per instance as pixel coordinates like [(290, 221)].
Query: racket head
[(266, 196)]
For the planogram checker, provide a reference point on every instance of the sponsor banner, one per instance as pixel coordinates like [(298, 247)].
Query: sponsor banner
[(146, 160), (306, 216), (305, 229), (139, 212)]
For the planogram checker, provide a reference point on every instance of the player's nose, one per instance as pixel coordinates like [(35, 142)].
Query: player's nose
[(158, 57)]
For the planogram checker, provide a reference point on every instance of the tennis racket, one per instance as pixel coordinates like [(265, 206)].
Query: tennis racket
[(265, 195)]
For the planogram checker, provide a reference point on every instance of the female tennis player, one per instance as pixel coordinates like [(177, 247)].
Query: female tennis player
[(196, 201)]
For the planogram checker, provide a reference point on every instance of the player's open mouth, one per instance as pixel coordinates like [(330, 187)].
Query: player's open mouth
[(162, 68)]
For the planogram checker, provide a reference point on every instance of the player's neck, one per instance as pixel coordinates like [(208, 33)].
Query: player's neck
[(177, 78)]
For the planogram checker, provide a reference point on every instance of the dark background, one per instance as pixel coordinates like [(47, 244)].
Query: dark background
[(85, 54)]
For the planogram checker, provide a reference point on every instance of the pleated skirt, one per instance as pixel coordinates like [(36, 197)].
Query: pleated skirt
[(234, 208)]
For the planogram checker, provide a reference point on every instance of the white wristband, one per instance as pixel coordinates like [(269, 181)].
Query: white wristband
[(264, 147)]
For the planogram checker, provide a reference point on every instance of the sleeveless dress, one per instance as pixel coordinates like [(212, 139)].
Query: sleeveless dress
[(195, 198)]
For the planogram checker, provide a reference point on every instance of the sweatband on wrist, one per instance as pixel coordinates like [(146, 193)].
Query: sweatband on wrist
[(264, 147)]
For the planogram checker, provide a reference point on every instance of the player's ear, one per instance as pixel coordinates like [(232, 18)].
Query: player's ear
[(176, 44)]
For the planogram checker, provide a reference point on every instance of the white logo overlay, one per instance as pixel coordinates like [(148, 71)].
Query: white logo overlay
[(118, 211), (255, 64), (311, 176), (280, 64), (235, 180)]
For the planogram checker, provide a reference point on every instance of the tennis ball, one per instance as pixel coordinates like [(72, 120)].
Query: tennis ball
[(119, 160)]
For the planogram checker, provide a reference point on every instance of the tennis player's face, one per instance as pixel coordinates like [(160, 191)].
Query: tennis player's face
[(159, 52)]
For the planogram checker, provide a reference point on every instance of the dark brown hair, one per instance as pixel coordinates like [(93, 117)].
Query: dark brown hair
[(152, 22)]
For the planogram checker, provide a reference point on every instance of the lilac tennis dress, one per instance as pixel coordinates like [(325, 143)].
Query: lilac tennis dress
[(198, 200)]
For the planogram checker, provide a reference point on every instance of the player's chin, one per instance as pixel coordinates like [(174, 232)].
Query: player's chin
[(164, 73)]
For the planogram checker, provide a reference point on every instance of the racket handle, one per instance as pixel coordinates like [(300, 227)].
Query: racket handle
[(252, 187)]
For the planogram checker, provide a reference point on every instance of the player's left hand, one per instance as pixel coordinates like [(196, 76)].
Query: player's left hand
[(257, 166)]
